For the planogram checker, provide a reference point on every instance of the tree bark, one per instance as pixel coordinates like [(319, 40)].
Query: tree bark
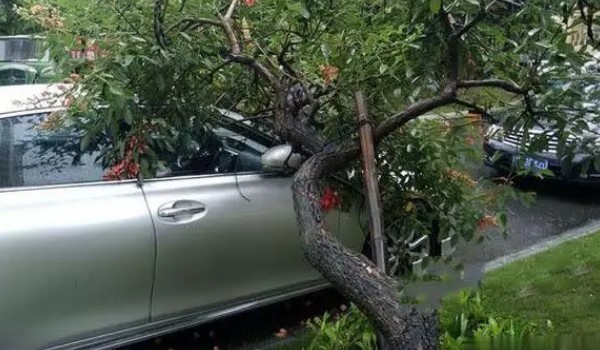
[(352, 274)]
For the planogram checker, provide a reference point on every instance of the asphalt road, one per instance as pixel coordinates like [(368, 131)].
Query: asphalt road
[(558, 207)]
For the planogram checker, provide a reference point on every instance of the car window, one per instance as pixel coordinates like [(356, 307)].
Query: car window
[(218, 150), (33, 154)]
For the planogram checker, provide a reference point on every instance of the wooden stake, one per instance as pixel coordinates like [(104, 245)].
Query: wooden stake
[(372, 188), (371, 183)]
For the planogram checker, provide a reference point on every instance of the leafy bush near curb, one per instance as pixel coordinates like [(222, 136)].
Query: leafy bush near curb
[(464, 319), (350, 330)]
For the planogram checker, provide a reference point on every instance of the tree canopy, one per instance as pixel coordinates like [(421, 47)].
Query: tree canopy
[(162, 69), (10, 22)]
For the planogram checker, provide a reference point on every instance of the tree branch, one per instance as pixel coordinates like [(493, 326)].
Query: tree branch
[(134, 28), (288, 125), (588, 19), (260, 68), (467, 27), (189, 22), (455, 36), (476, 108), (229, 13), (415, 110), (159, 33), (234, 43), (211, 74), (495, 83), (237, 56), (447, 20)]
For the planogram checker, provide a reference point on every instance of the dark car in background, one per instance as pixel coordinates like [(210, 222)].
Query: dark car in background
[(25, 59), (507, 150), (567, 153)]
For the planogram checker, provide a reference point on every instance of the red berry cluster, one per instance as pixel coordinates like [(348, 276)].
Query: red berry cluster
[(330, 200), (127, 168)]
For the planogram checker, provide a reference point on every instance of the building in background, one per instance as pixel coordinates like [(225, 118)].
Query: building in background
[(579, 38)]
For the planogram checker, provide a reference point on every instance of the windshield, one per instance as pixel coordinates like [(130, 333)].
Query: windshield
[(20, 49)]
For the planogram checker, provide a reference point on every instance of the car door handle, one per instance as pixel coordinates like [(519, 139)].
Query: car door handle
[(180, 208)]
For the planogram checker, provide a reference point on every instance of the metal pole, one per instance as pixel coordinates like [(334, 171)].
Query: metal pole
[(371, 183)]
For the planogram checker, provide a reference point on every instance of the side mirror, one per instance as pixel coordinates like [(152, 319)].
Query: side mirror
[(280, 159)]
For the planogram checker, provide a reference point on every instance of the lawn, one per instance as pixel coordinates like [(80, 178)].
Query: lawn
[(562, 285)]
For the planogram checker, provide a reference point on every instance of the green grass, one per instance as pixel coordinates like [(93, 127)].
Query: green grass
[(562, 285)]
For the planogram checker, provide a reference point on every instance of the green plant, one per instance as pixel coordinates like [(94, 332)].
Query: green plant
[(448, 342), (465, 319), (350, 330)]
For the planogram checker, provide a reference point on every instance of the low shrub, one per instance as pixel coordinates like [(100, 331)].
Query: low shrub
[(350, 330), (464, 320)]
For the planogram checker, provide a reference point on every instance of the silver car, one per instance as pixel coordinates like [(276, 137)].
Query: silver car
[(87, 263)]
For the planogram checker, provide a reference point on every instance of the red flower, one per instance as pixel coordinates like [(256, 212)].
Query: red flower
[(250, 2), (330, 200)]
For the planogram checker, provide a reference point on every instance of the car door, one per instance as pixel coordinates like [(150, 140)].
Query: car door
[(225, 234), (76, 253)]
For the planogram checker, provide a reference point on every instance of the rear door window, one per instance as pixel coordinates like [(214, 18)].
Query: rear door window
[(35, 153)]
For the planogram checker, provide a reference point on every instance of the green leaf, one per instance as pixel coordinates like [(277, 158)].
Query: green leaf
[(383, 68), (186, 36), (169, 147), (122, 148), (304, 11), (503, 219), (127, 60), (435, 6), (115, 90), (325, 51), (85, 142), (128, 117), (160, 81)]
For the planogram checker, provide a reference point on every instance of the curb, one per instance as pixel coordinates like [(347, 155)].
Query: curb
[(566, 236)]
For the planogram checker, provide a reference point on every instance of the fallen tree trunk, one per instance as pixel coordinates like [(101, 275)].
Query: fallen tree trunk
[(351, 273)]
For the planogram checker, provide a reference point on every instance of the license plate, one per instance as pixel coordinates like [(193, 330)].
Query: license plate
[(532, 163)]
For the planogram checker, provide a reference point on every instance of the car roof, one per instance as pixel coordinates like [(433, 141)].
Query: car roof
[(22, 98), (22, 36)]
